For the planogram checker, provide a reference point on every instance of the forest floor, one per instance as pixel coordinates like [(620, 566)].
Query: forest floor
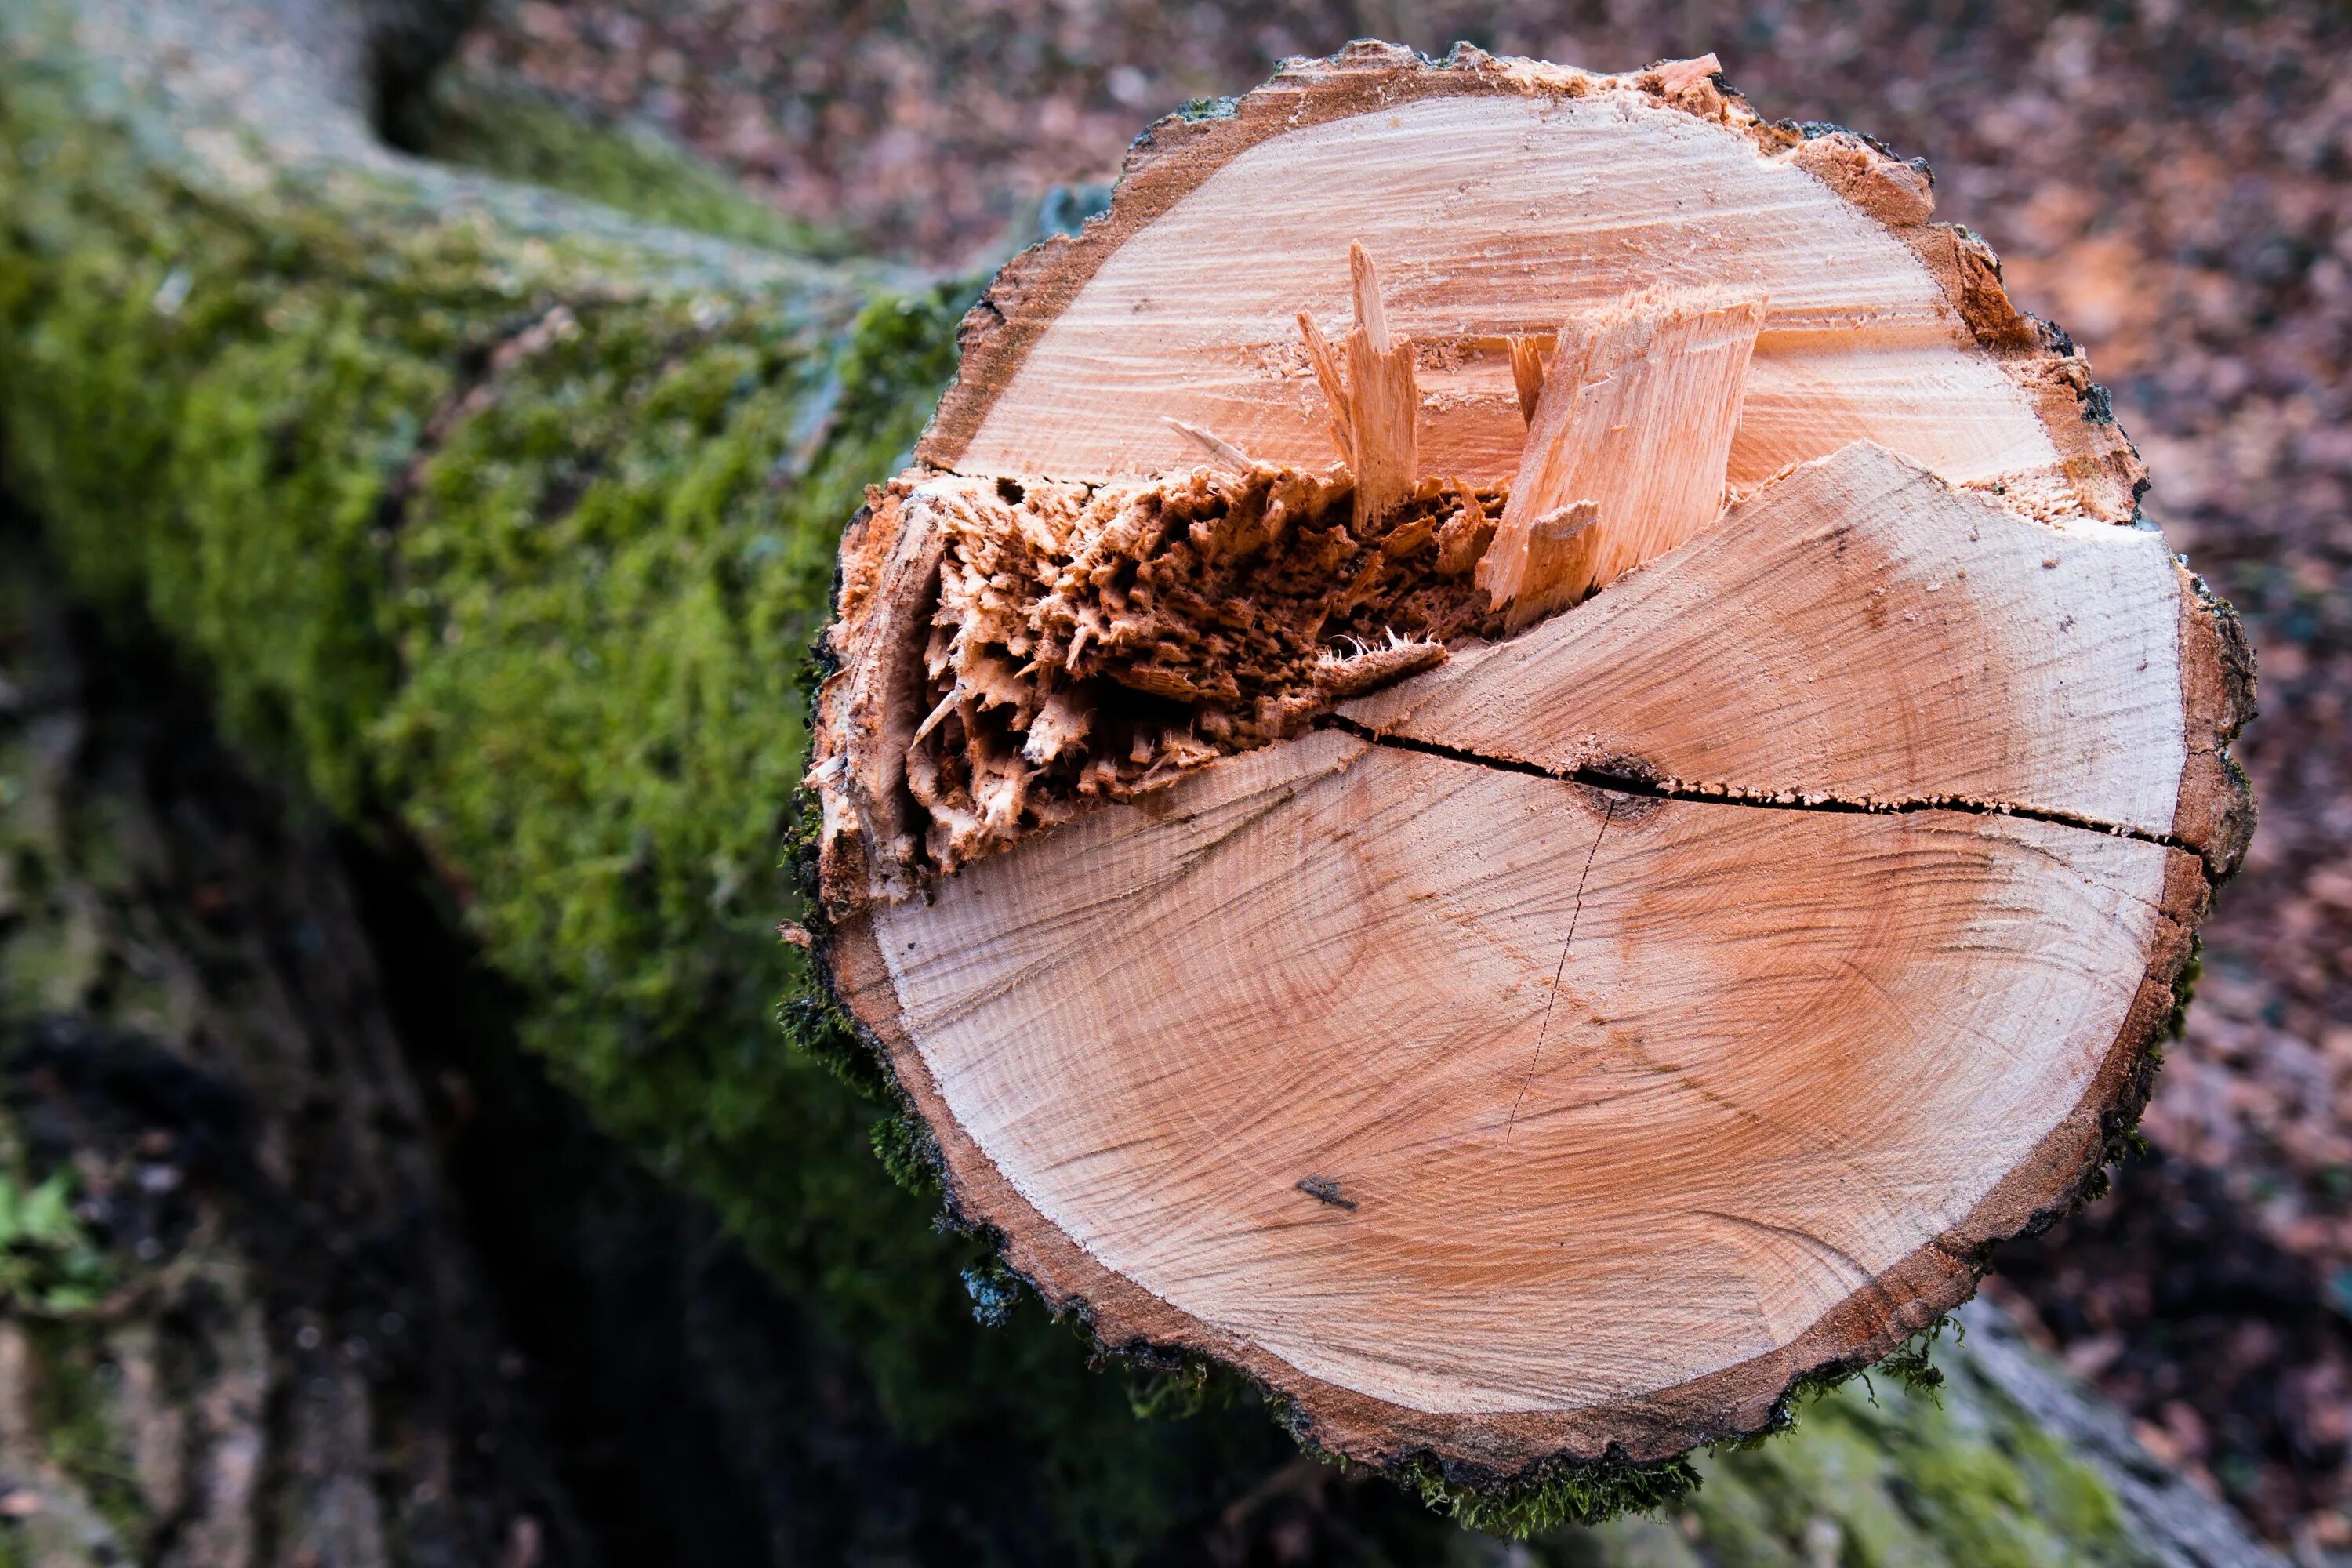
[(2171, 182)]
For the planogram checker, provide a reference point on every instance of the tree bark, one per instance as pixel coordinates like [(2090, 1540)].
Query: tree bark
[(495, 520), (292, 1356)]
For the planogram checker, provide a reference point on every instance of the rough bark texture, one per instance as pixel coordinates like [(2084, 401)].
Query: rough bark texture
[(494, 521), (288, 1350), (498, 513)]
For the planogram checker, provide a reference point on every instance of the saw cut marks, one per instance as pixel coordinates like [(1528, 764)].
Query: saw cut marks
[(1628, 441), (1524, 960), (1785, 1052), (1858, 631)]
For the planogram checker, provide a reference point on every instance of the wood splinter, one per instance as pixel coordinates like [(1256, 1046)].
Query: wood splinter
[(1527, 362), (1239, 863), (1375, 402), (1216, 447), (1629, 440)]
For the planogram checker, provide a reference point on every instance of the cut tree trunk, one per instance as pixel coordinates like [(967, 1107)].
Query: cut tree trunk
[(1534, 919), (497, 520)]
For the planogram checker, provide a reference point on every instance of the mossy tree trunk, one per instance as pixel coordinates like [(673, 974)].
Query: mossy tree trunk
[(496, 520)]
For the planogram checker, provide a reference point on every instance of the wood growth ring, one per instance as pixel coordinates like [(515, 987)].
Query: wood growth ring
[(1514, 759)]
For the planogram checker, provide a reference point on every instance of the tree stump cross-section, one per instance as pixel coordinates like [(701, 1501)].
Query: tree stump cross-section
[(1533, 870)]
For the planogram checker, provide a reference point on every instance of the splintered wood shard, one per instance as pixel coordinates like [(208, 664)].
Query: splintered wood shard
[(1378, 929), (1526, 374), (1225, 451), (1334, 383), (1635, 417), (1376, 402), (1552, 551)]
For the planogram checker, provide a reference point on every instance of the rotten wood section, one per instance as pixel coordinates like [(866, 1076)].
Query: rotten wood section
[(1436, 909)]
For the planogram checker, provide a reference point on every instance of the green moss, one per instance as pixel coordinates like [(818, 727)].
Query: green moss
[(1912, 1364), (909, 1152), (1564, 1492), (1886, 1475), (1736, 1511), (49, 1265), (480, 121), (2184, 992), (2013, 1506), (1184, 1389)]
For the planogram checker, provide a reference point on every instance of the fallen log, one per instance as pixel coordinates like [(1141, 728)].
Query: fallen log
[(494, 519), (1616, 835), (166, 1054), (285, 1345)]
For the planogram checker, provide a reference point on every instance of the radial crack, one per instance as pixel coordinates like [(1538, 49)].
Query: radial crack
[(1559, 970), (1600, 777)]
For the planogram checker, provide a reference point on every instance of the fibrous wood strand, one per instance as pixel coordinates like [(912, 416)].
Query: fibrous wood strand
[(1626, 451), (1375, 403)]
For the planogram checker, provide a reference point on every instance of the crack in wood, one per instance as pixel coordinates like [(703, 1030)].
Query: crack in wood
[(1559, 971), (1650, 789), (2004, 982)]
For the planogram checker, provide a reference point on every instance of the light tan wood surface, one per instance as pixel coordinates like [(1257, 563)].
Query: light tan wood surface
[(1499, 198), (1622, 1092), (1534, 871), (1628, 443), (1859, 632)]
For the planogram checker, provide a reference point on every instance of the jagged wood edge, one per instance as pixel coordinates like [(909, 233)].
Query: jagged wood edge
[(2213, 815), (2213, 819)]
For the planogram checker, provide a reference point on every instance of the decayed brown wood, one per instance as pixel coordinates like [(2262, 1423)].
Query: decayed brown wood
[(1518, 956)]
